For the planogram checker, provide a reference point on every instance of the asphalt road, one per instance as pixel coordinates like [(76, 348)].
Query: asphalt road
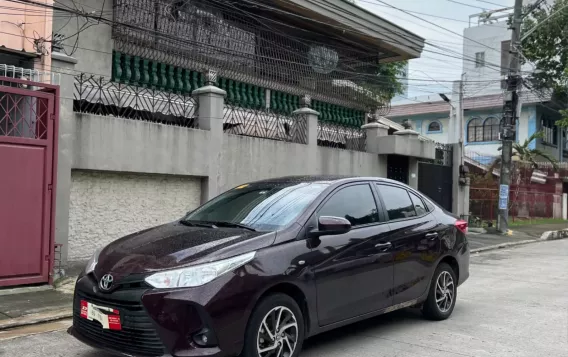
[(514, 304)]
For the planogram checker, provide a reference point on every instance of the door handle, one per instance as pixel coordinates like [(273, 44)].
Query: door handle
[(383, 246), (431, 236)]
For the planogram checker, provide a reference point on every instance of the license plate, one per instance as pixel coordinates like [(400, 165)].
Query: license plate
[(107, 316)]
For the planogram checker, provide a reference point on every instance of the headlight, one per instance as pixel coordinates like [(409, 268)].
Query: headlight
[(92, 263), (197, 275)]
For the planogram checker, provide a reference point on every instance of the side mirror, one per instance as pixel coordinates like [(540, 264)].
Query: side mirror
[(329, 226)]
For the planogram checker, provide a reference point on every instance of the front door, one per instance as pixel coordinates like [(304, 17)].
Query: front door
[(353, 271), (415, 241)]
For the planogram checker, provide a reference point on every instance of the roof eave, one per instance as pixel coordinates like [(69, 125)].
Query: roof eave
[(405, 44)]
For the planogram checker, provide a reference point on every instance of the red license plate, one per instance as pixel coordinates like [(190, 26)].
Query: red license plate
[(108, 317)]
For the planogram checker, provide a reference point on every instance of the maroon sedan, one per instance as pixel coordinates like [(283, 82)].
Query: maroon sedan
[(265, 265)]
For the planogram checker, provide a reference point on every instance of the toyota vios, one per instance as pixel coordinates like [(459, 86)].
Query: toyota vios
[(265, 265)]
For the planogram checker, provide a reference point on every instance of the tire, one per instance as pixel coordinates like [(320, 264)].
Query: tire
[(267, 312), (434, 308)]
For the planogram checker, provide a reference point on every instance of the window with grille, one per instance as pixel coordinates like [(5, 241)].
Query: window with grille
[(475, 130), (491, 128), (479, 59), (550, 131), (434, 127)]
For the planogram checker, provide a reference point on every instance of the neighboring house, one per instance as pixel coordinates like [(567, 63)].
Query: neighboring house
[(24, 49), (486, 61)]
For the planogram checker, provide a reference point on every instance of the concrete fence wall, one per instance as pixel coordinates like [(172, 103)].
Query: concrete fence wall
[(118, 176)]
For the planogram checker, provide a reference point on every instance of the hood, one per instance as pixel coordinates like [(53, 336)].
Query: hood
[(174, 245)]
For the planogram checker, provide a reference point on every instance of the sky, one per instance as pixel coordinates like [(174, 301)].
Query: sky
[(430, 66)]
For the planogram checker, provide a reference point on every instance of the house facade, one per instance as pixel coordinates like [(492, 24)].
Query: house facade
[(161, 106), (485, 67), (24, 49)]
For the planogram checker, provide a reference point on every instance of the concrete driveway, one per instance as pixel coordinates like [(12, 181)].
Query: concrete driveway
[(515, 304)]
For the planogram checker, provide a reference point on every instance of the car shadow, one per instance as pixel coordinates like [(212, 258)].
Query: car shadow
[(372, 326)]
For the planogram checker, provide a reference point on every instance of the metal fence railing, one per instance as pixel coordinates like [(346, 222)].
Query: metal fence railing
[(523, 205), (341, 137), (265, 123), (97, 95)]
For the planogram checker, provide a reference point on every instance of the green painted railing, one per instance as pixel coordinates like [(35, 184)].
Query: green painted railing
[(142, 72)]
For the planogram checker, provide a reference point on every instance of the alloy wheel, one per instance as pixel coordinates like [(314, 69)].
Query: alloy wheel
[(445, 291), (278, 333)]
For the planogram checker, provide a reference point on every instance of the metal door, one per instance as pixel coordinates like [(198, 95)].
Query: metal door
[(27, 162), (435, 181)]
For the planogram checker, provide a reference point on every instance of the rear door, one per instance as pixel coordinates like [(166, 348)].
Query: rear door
[(415, 241), (353, 271)]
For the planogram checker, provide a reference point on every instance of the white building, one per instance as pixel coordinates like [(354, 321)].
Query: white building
[(485, 66)]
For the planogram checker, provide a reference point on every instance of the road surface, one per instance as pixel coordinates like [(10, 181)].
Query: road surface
[(514, 304)]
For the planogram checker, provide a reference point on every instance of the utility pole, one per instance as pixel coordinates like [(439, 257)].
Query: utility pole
[(510, 118)]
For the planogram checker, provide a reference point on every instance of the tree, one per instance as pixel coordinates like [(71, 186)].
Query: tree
[(546, 46), (524, 154), (385, 82), (390, 75)]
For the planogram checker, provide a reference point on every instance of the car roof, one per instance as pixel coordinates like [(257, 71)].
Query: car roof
[(331, 179)]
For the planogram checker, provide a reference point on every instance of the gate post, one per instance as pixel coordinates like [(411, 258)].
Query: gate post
[(211, 105), (65, 151)]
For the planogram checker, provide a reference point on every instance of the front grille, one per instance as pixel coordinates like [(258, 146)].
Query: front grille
[(137, 336)]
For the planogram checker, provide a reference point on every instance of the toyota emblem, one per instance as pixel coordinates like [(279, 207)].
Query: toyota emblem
[(106, 282)]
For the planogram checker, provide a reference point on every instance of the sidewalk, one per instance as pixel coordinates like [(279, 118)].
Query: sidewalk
[(522, 234), (33, 305)]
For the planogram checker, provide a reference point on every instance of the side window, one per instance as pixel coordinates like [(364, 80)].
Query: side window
[(418, 204), (397, 202), (355, 203)]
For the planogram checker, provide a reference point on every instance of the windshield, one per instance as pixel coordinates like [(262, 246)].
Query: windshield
[(263, 206)]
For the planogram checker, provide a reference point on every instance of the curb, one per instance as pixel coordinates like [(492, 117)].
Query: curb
[(546, 236), (503, 245), (33, 319)]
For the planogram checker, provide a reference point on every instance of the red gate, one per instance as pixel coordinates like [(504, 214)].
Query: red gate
[(28, 139)]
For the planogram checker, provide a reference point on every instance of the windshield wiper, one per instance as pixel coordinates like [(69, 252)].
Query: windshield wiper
[(197, 223), (231, 224)]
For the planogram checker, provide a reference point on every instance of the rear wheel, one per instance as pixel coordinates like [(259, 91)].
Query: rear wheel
[(275, 329), (442, 295)]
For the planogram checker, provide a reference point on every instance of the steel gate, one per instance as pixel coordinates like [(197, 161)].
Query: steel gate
[(435, 177), (28, 138)]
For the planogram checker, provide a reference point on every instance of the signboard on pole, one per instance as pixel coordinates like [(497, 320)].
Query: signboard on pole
[(503, 196), (503, 203)]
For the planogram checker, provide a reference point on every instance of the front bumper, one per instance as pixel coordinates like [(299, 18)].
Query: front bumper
[(90, 342), (165, 323)]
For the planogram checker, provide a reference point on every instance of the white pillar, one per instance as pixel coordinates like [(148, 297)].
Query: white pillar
[(311, 117), (211, 100), (565, 206)]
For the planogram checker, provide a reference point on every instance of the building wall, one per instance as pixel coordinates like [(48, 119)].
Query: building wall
[(95, 45), (105, 206), (487, 39), (23, 22)]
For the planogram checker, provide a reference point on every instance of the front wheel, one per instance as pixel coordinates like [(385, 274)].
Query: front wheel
[(276, 328), (442, 295)]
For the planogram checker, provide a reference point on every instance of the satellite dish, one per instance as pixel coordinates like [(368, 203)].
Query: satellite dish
[(322, 59)]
